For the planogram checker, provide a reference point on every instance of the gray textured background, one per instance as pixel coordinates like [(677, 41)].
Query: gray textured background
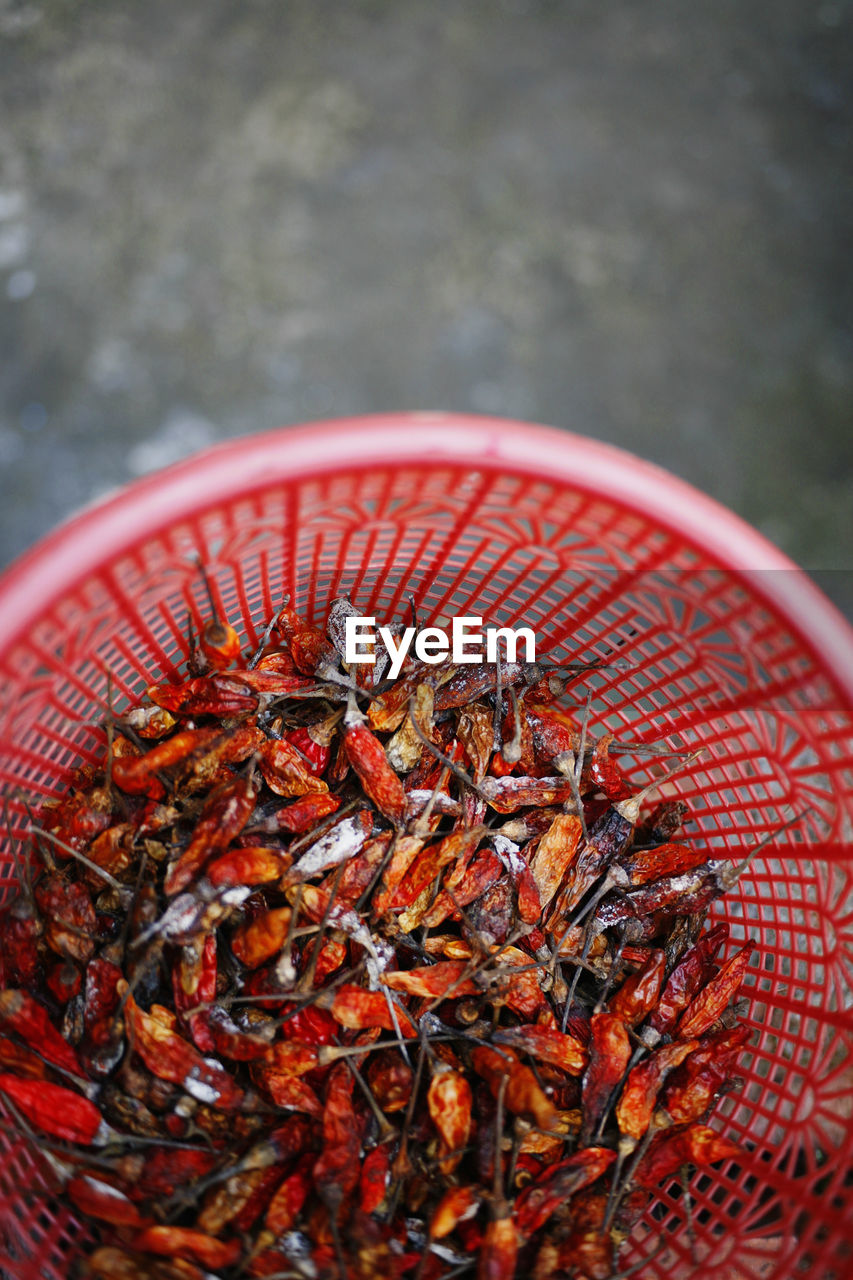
[(631, 218)]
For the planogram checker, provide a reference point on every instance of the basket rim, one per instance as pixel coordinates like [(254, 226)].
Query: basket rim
[(243, 464)]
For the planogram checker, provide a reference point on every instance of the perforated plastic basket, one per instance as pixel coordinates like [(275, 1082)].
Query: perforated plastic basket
[(720, 641)]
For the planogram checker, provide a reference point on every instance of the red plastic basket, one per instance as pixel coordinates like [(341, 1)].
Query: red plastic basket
[(721, 641)]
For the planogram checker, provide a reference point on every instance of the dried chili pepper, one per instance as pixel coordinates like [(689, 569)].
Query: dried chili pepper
[(337, 845), (692, 1089), (499, 1250), (356, 1008), (137, 775), (485, 871), (223, 817), (240, 1200), (390, 1080), (467, 683), (251, 864), (609, 1055), (554, 854), (555, 1185), (412, 877), (165, 1168), (230, 1041), (639, 993), (685, 980), (183, 1242), (285, 771), (170, 1057), (336, 1170), (97, 1198), (54, 1109), (523, 1093), (639, 1095), (456, 1205), (218, 695), (375, 1179), (605, 774), (291, 1195), (697, 1144), (369, 761), (545, 1044), (377, 1028), (20, 933), (449, 1099), (706, 1007), (306, 812), (70, 923), (16, 1059), (664, 821), (22, 1014), (79, 817), (646, 865), (511, 793), (261, 938), (218, 642), (434, 980)]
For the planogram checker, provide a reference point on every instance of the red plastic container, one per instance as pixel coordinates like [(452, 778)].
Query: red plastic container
[(721, 642)]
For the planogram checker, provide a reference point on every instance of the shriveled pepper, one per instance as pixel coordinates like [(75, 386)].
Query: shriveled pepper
[(223, 817), (285, 771), (705, 1008), (184, 1242), (523, 1093), (692, 1089), (698, 1144), (449, 1100), (639, 993), (368, 759), (374, 1179), (555, 1185), (692, 970), (337, 1168), (170, 1057), (21, 1013), (546, 1044), (609, 1055), (291, 1195), (93, 1195), (54, 1109), (137, 775), (636, 1104), (261, 938)]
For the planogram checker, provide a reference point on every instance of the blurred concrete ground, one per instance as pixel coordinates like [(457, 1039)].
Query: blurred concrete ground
[(629, 219)]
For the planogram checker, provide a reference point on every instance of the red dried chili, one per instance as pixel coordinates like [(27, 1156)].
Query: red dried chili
[(445, 1001)]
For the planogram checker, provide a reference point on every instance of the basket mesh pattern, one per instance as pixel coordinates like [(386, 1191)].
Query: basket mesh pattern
[(697, 658)]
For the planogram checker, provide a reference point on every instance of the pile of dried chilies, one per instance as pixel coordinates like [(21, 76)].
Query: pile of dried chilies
[(324, 975)]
